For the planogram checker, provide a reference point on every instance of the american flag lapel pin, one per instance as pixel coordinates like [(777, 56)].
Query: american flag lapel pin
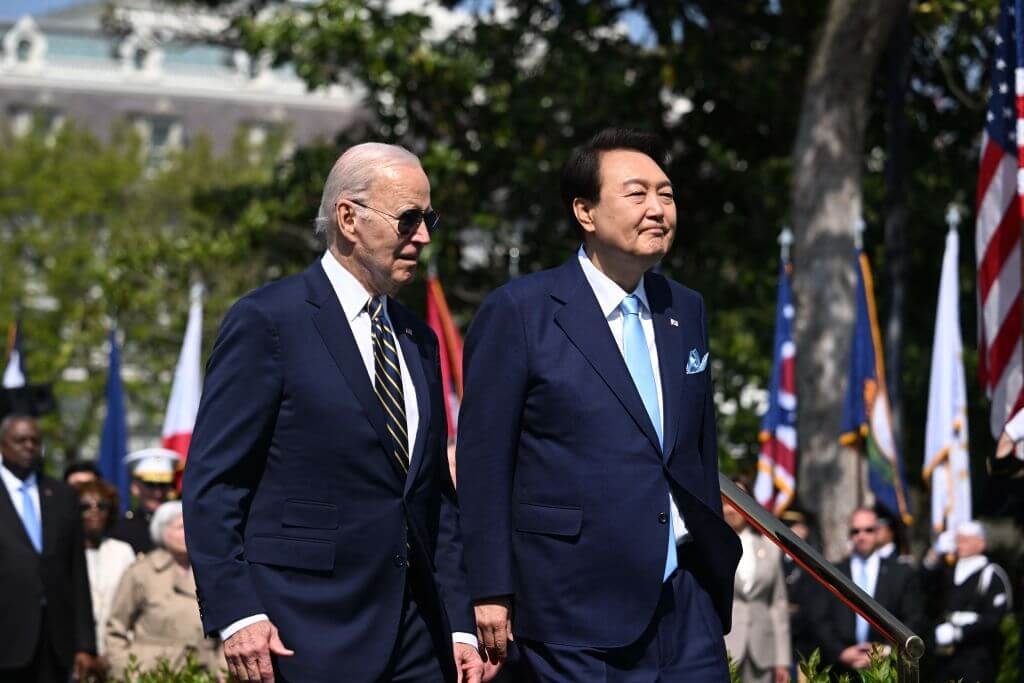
[(408, 331), (673, 322)]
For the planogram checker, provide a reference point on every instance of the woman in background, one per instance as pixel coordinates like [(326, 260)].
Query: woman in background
[(154, 615), (106, 558), (759, 640)]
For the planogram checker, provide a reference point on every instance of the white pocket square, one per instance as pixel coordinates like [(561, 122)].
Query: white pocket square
[(695, 363)]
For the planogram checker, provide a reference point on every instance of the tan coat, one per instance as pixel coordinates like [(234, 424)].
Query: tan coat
[(155, 616), (760, 610)]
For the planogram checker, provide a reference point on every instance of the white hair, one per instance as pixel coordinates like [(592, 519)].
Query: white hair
[(353, 174), (164, 515)]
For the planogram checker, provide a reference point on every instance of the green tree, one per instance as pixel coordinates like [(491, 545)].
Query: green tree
[(94, 236)]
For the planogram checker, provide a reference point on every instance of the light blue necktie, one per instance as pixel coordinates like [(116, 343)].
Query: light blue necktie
[(30, 519), (638, 360), (861, 579)]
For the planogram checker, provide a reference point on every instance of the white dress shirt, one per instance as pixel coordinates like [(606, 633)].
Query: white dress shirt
[(353, 298), (747, 567), (13, 485), (609, 297)]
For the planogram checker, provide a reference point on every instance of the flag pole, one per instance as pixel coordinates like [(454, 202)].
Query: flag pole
[(859, 226)]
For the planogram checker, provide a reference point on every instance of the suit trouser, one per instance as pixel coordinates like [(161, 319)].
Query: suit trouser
[(417, 651), (683, 642), (45, 667), (415, 657)]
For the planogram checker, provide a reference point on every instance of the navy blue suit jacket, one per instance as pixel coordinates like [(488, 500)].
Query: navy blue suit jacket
[(295, 507), (562, 480)]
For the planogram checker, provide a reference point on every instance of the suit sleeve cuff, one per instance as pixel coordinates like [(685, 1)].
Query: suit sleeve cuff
[(234, 627), (1015, 427), (466, 638)]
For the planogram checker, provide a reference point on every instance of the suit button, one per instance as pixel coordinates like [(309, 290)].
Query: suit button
[(663, 518), (399, 561)]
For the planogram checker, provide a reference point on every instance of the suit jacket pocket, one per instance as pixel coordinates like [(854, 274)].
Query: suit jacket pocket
[(310, 514), (297, 553), (556, 520)]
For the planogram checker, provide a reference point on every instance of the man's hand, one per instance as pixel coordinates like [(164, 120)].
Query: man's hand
[(494, 628), (468, 665), (248, 652), (856, 656), (781, 674), (491, 670), (1007, 461), (84, 667)]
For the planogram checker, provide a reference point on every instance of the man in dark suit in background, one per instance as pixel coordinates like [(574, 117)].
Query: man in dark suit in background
[(846, 638), (319, 508), (45, 607), (587, 447)]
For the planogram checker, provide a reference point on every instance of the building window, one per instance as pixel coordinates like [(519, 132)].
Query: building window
[(160, 135), (24, 51), (44, 122), (24, 44)]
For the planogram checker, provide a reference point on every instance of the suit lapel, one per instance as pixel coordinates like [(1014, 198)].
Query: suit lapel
[(581, 320), (414, 364), (10, 519), (669, 340), (329, 320)]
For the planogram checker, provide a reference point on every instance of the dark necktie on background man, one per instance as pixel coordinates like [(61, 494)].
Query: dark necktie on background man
[(387, 381)]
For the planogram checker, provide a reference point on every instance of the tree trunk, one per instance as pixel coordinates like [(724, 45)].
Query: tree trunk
[(897, 76), (827, 158)]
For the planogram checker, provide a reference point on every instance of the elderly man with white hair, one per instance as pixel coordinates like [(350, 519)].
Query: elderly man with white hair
[(320, 512), (968, 641)]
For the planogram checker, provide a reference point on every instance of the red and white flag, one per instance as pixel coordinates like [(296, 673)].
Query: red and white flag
[(188, 382), (440, 320), (998, 229)]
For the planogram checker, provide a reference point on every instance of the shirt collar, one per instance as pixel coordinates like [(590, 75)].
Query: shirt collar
[(12, 482), (968, 567), (350, 292), (870, 562), (608, 292)]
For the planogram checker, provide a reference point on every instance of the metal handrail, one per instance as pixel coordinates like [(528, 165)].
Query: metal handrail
[(909, 646)]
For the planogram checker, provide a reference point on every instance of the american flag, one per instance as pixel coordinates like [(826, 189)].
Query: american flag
[(998, 230), (775, 484)]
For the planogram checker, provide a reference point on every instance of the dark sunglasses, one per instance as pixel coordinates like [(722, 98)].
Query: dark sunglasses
[(863, 530), (101, 505), (154, 485), (409, 221)]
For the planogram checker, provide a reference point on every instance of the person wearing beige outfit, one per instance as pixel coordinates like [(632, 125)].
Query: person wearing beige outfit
[(154, 615), (759, 641)]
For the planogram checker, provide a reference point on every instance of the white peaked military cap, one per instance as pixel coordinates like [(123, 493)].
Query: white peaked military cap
[(972, 528), (155, 465)]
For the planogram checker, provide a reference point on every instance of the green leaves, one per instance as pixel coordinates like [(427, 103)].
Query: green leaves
[(92, 239)]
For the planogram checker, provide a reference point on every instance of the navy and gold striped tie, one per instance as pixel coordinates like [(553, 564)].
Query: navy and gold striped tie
[(387, 382)]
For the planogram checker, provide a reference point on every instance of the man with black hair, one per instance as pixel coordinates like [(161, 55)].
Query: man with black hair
[(587, 451)]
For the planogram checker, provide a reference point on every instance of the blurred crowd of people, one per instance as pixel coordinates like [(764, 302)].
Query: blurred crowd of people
[(131, 592), (87, 591), (956, 598)]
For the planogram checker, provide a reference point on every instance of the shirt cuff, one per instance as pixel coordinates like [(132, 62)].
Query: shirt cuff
[(233, 628), (1015, 427), (466, 638)]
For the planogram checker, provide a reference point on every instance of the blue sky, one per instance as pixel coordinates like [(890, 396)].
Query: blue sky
[(12, 9)]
